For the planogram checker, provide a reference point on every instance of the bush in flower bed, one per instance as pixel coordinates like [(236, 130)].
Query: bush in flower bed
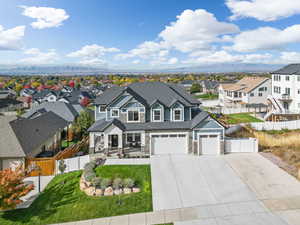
[(97, 186)]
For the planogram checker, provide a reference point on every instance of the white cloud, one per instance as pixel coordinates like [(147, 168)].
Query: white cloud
[(11, 39), (38, 57), (289, 57), (46, 17), (137, 61), (93, 62), (265, 10), (195, 30), (172, 61), (220, 57), (265, 38), (92, 51)]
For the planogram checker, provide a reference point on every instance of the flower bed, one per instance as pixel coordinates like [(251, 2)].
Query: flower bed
[(94, 185)]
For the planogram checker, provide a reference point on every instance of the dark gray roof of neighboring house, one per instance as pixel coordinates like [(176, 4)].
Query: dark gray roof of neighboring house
[(9, 144), (33, 133), (289, 70), (101, 125), (210, 84), (148, 93), (62, 109), (5, 102)]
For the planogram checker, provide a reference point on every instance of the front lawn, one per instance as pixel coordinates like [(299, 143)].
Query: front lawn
[(208, 96), (240, 118), (65, 202)]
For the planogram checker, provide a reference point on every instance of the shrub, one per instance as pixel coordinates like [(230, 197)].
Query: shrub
[(89, 176), (96, 181), (118, 183), (90, 166), (105, 183), (128, 183)]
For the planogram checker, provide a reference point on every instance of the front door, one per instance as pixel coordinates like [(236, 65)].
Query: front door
[(114, 141)]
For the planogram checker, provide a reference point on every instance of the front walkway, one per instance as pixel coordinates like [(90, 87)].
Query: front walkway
[(31, 196)]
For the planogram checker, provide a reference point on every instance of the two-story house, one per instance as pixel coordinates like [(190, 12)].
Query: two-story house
[(153, 118), (285, 99), (249, 90)]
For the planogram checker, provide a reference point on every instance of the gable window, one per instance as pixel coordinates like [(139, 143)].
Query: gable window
[(156, 114), (114, 113), (252, 94), (177, 114), (101, 108), (133, 116)]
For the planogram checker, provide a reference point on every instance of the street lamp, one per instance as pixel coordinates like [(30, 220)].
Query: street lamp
[(34, 167)]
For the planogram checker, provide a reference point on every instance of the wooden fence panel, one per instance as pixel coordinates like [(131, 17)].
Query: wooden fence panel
[(47, 166)]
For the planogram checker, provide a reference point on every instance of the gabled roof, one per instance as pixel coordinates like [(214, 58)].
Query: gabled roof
[(101, 125), (149, 92), (32, 133), (62, 109), (289, 70), (246, 84), (9, 144), (210, 84)]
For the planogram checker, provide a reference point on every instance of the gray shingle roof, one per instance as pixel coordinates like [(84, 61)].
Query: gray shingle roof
[(101, 125), (62, 109), (9, 144), (32, 133), (289, 70), (149, 92)]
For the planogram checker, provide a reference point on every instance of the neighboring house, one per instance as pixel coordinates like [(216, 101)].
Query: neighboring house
[(46, 95), (153, 118), (249, 90), (209, 86), (10, 105), (27, 138), (187, 84), (76, 97), (66, 111), (285, 99), (6, 94), (27, 92)]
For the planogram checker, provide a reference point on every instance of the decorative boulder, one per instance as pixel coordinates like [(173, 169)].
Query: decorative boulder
[(90, 191), (118, 191), (98, 192), (109, 191), (136, 190), (82, 185), (127, 190)]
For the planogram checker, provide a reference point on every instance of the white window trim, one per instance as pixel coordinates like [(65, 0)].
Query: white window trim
[(111, 115), (100, 108), (153, 116), (133, 110), (181, 114)]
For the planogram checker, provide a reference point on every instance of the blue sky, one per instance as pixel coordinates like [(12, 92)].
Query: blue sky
[(149, 34)]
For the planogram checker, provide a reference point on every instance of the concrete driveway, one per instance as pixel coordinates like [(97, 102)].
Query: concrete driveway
[(234, 189)]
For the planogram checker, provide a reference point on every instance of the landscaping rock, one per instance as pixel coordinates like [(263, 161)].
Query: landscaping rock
[(98, 192), (109, 191), (136, 190), (82, 185), (118, 191), (90, 191), (127, 190)]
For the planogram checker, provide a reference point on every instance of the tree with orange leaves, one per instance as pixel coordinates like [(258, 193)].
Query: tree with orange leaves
[(12, 187)]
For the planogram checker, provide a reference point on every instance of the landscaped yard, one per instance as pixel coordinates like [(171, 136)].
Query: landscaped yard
[(208, 96), (65, 143), (63, 202), (239, 118)]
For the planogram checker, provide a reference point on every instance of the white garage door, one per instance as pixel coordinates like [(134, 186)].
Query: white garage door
[(209, 144), (169, 144)]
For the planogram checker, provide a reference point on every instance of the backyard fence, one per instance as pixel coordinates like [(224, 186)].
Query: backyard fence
[(241, 145), (46, 166), (228, 110), (73, 164), (290, 125)]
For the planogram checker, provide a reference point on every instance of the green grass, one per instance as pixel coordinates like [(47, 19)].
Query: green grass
[(65, 202), (240, 118), (65, 144), (207, 96), (165, 224)]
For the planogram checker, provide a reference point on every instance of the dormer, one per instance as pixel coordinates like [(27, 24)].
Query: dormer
[(177, 112), (157, 112)]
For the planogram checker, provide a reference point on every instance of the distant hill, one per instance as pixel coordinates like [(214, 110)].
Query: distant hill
[(86, 70)]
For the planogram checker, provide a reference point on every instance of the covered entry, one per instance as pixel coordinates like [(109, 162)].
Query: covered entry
[(174, 143), (209, 144)]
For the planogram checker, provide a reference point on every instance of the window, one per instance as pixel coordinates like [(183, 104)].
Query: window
[(177, 114), (276, 77), (298, 91), (133, 116), (287, 78), (102, 108), (133, 139), (156, 114), (298, 78), (260, 94), (114, 113), (251, 94), (287, 91)]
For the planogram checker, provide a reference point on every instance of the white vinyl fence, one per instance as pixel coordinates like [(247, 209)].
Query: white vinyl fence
[(241, 145), (227, 110), (290, 125), (73, 164)]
